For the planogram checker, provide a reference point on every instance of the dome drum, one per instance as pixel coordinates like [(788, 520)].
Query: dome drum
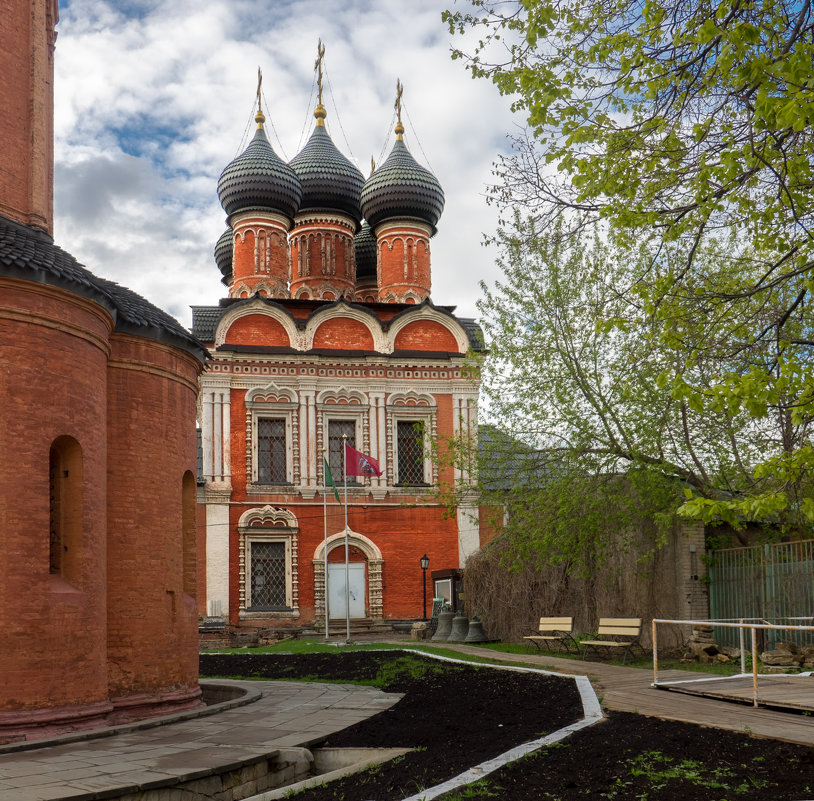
[(322, 260), (260, 255)]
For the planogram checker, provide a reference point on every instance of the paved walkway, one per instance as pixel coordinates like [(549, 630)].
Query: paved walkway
[(297, 714), (137, 759)]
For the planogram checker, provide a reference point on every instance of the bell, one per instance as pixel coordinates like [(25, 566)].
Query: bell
[(475, 633), (460, 628), (444, 625)]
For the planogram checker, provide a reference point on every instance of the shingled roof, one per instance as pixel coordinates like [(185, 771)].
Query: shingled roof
[(31, 255)]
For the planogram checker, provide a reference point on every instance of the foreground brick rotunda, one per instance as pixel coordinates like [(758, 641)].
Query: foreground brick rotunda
[(98, 610)]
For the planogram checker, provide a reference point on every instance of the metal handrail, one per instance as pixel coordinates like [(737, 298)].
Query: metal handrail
[(742, 624)]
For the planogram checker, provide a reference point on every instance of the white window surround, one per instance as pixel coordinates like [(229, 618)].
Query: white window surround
[(414, 408), (342, 404), (274, 403), (268, 524)]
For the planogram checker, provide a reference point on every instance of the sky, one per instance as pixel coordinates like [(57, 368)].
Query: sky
[(153, 98)]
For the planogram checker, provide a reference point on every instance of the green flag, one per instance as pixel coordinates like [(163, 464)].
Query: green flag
[(329, 480)]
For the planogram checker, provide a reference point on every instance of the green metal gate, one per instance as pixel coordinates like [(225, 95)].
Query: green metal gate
[(772, 582)]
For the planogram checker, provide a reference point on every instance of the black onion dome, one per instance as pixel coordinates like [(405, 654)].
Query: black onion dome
[(364, 244), (259, 178), (401, 187), (223, 252), (329, 180)]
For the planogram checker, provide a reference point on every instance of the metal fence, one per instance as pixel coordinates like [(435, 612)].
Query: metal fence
[(771, 582)]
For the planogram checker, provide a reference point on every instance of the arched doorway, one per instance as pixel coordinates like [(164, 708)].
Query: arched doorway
[(365, 577)]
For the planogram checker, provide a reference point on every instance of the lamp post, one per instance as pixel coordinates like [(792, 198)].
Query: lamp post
[(425, 563)]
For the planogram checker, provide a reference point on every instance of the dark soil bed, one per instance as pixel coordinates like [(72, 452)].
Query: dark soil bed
[(457, 716)]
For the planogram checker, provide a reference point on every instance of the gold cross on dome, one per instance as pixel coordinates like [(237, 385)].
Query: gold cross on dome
[(397, 106), (318, 68)]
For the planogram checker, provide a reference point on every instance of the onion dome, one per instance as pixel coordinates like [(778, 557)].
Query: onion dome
[(364, 244), (329, 180), (401, 188), (259, 178), (223, 253)]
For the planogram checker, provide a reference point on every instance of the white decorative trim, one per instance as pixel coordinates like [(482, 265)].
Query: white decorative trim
[(342, 396), (428, 313), (261, 308), (267, 517), (375, 564), (410, 398), (343, 311), (271, 393)]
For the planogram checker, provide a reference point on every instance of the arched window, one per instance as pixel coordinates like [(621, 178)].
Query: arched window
[(65, 508), (188, 533)]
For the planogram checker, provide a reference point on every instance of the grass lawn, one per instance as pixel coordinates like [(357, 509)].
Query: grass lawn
[(312, 646)]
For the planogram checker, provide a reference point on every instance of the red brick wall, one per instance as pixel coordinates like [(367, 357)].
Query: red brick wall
[(257, 329), (343, 333), (152, 623), (53, 356), (426, 335), (400, 275), (26, 111)]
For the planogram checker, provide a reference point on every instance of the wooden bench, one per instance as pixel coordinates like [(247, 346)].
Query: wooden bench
[(614, 635), (555, 630)]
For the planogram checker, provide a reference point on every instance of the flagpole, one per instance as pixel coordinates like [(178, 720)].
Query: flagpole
[(347, 567), (325, 516)]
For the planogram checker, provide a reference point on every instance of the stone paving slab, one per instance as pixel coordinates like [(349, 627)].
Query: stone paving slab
[(286, 714)]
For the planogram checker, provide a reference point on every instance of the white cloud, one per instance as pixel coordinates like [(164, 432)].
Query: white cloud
[(153, 98)]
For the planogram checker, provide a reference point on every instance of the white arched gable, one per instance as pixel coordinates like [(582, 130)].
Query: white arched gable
[(257, 306), (342, 396), (428, 313), (268, 517), (343, 310), (271, 393), (363, 543)]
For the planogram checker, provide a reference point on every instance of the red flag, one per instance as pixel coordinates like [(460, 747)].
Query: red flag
[(357, 464)]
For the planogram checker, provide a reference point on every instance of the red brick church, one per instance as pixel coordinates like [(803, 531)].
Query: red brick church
[(98, 610), (329, 336)]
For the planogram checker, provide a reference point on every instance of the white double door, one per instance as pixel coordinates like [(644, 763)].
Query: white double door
[(336, 589)]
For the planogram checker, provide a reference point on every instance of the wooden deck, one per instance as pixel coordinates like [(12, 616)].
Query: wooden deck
[(773, 692)]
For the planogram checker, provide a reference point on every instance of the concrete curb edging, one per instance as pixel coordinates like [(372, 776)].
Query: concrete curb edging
[(249, 696), (590, 707)]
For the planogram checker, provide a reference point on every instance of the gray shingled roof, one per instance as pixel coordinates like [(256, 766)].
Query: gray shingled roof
[(259, 178), (329, 180), (364, 244), (400, 188), (31, 255)]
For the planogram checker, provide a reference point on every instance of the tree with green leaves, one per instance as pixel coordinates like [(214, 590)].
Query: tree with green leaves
[(685, 130)]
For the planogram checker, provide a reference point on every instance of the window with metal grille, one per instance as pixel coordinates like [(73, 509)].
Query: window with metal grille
[(336, 452), (267, 575), (271, 451), (411, 452)]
